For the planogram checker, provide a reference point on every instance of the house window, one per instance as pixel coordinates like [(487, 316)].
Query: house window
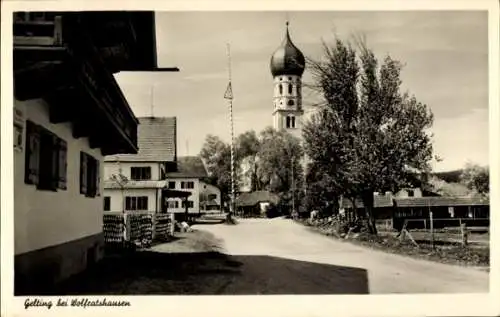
[(140, 173), (171, 185), (89, 175), (290, 122), (136, 203), (190, 204), (411, 193), (107, 203), (46, 159), (18, 130), (173, 204), (187, 185)]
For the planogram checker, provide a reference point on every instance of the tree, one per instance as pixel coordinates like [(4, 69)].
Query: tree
[(247, 146), (216, 155), (369, 136), (476, 178), (279, 169), (121, 180)]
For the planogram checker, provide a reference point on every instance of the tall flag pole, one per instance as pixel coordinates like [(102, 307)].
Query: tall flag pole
[(229, 96)]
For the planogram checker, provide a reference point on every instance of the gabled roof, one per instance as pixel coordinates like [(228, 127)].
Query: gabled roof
[(379, 201), (156, 140), (253, 198), (441, 201), (189, 167)]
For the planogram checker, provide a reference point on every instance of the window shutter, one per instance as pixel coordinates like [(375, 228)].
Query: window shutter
[(54, 172), (128, 203), (63, 164), (83, 173), (97, 178), (91, 176), (32, 160)]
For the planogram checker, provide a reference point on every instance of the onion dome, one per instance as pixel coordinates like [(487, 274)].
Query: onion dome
[(287, 59)]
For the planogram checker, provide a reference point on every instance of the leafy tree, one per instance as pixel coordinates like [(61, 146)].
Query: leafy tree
[(216, 155), (368, 136), (476, 178), (280, 153), (247, 146)]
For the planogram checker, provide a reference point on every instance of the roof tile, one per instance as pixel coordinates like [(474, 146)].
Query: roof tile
[(156, 140)]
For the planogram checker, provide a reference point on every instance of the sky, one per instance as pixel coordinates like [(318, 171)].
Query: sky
[(445, 54)]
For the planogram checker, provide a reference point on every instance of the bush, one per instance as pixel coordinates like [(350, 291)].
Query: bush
[(456, 254)]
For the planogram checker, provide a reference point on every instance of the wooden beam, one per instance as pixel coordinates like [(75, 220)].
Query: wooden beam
[(81, 128), (62, 105)]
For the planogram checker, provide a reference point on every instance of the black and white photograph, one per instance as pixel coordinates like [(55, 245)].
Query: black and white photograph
[(247, 152)]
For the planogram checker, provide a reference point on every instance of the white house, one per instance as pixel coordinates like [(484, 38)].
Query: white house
[(187, 176), (210, 197), (68, 113), (136, 182)]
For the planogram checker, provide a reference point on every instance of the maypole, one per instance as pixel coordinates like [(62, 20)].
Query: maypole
[(229, 96)]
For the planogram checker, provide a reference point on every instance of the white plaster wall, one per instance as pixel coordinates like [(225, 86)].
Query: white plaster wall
[(47, 218), (195, 194), (211, 189), (116, 198), (114, 167)]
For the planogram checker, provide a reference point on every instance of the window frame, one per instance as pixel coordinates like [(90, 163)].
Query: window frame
[(46, 157), (136, 203), (89, 175), (140, 173), (107, 203)]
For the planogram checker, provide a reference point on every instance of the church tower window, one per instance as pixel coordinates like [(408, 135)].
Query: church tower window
[(290, 102), (281, 89), (290, 89)]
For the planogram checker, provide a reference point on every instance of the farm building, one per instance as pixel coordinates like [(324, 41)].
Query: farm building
[(69, 113), (256, 203), (474, 211), (383, 203)]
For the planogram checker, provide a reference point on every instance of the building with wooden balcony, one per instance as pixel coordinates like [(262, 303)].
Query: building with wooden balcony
[(69, 112)]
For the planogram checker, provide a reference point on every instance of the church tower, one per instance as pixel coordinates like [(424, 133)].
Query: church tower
[(287, 67)]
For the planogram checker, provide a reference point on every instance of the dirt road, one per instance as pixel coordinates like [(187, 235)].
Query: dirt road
[(278, 256)]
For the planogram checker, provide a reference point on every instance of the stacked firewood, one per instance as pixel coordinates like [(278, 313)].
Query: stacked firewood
[(135, 227), (146, 227), (163, 223), (113, 228)]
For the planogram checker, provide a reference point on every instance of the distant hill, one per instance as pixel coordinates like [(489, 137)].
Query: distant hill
[(445, 188), (451, 176)]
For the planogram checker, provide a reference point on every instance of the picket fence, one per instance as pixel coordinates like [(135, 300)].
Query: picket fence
[(137, 228)]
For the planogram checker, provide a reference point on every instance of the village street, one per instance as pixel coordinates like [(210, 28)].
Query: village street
[(280, 256), (268, 257)]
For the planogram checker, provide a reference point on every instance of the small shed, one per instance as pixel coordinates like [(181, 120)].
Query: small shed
[(256, 203)]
